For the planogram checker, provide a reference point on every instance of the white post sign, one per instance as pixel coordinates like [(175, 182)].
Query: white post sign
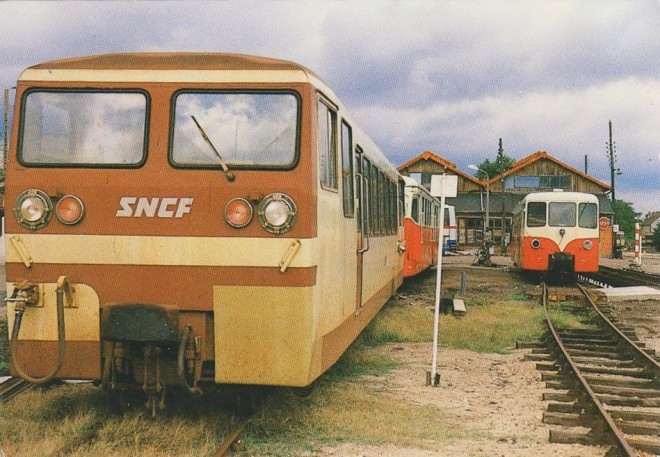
[(442, 186)]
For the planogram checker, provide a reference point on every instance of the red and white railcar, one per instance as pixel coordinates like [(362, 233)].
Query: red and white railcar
[(420, 226), (556, 232)]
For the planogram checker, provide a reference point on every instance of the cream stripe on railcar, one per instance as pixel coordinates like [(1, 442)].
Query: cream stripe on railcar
[(166, 76), (160, 250)]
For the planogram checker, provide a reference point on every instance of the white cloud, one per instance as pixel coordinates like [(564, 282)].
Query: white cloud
[(449, 76)]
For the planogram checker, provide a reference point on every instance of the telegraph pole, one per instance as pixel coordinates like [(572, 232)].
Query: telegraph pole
[(500, 159), (611, 154), (6, 130)]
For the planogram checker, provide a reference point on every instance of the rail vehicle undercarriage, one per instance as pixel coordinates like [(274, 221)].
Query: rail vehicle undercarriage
[(142, 347)]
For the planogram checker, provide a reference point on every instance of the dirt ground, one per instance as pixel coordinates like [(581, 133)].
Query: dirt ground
[(496, 400)]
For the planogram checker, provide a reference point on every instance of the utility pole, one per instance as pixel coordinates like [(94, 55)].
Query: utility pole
[(5, 131), (586, 164), (500, 159), (611, 155)]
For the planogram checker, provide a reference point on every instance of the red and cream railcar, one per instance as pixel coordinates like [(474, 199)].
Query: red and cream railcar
[(556, 232), (188, 218), (420, 227)]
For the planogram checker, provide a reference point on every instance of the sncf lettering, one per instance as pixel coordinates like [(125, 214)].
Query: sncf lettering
[(166, 207)]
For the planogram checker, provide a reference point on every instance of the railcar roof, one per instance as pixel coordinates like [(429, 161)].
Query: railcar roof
[(171, 61), (170, 66), (560, 196)]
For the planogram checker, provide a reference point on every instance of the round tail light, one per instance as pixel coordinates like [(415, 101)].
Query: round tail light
[(238, 212), (69, 210), (588, 244), (535, 244)]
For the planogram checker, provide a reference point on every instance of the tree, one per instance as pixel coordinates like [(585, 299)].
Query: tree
[(626, 216), (495, 168)]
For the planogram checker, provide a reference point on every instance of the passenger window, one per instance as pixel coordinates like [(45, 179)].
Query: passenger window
[(327, 147), (414, 211), (536, 214), (347, 169)]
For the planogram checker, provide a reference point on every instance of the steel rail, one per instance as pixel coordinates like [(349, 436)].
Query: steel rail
[(620, 277), (638, 354), (11, 388), (619, 439), (225, 446)]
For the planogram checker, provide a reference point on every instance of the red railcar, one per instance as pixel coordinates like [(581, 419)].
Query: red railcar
[(420, 226), (556, 232)]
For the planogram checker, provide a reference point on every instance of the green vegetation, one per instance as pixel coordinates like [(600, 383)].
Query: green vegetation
[(498, 166), (626, 216), (489, 326)]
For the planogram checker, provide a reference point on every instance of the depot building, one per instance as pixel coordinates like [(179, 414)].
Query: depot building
[(538, 172)]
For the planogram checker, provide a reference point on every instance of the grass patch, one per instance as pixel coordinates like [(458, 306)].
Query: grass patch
[(492, 328), (344, 412), (562, 316), (489, 326)]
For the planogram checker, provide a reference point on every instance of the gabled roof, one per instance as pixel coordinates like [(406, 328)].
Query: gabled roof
[(540, 155), (451, 166), (651, 218)]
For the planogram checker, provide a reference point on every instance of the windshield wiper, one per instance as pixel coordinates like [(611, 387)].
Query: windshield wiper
[(230, 176)]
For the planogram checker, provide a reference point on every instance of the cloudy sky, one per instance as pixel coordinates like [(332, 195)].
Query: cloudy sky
[(451, 77)]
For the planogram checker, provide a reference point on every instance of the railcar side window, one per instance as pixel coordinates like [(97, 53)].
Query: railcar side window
[(327, 147), (402, 200), (78, 128), (248, 129), (588, 215), (536, 214), (414, 211), (347, 169), (561, 214)]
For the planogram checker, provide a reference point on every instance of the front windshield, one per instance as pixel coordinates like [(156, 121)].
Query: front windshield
[(248, 129), (83, 128), (588, 215), (561, 214)]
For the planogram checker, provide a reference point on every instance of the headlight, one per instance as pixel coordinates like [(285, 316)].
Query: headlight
[(238, 212), (69, 210), (277, 213), (588, 244), (33, 209), (536, 244)]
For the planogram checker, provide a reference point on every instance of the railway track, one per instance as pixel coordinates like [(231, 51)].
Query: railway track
[(607, 384), (622, 278), (11, 388)]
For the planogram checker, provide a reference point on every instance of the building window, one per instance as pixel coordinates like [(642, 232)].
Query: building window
[(538, 182)]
